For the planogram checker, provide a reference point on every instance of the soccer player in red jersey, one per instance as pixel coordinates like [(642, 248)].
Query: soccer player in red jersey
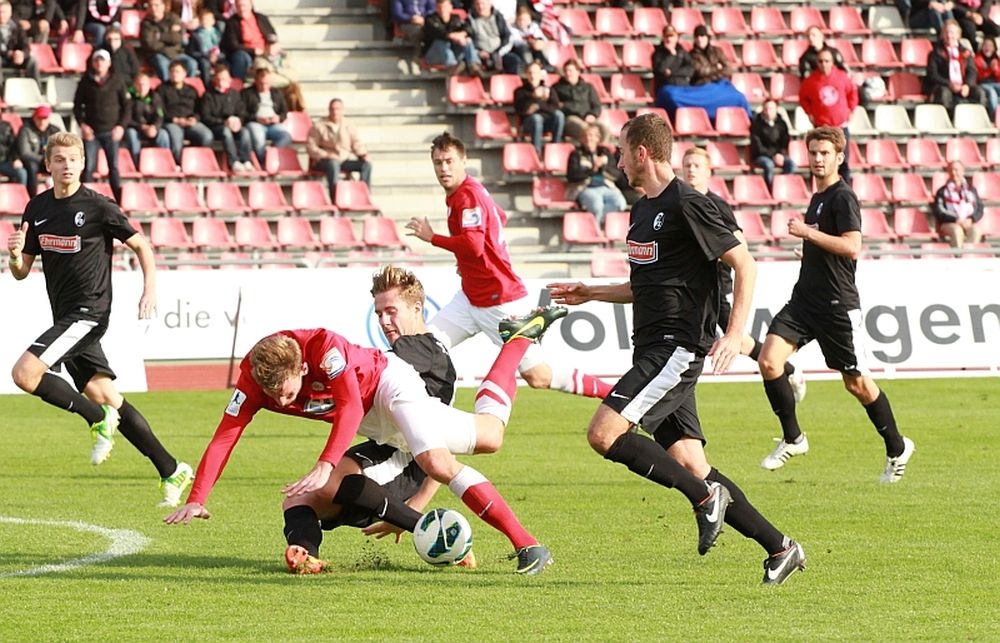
[(318, 374), (491, 289)]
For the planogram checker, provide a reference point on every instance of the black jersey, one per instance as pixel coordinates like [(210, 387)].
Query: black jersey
[(674, 241), (74, 237), (430, 358), (826, 279)]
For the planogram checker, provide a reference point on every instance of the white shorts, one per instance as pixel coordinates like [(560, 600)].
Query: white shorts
[(406, 417), (459, 320)]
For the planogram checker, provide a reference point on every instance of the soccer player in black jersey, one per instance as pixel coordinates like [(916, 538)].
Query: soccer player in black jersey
[(73, 229), (676, 236), (825, 306), (697, 167)]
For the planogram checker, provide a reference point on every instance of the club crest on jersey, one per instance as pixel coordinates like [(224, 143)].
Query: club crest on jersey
[(79, 219), (236, 402), (642, 252), (333, 363), (658, 221), (56, 243), (472, 218)]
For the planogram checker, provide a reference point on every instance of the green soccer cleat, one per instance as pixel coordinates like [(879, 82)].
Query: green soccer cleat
[(173, 486), (533, 325), (103, 435), (532, 560)]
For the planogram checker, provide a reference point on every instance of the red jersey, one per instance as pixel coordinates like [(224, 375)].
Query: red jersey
[(475, 223), (828, 100), (339, 388)]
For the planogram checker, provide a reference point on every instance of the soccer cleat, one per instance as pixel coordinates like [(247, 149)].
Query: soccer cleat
[(300, 562), (103, 435), (783, 452), (798, 381), (469, 561), (533, 325), (532, 560), (710, 515), (780, 566), (174, 485), (896, 467)]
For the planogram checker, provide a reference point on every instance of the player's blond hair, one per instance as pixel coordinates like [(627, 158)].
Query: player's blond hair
[(275, 359), (653, 133), (390, 277), (828, 133), (63, 139), (698, 151)]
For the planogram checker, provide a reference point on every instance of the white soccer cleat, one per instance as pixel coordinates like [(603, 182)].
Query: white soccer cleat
[(798, 381), (173, 486), (896, 467), (783, 452), (103, 435)]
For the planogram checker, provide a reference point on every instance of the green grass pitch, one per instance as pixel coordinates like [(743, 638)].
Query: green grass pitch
[(912, 561)]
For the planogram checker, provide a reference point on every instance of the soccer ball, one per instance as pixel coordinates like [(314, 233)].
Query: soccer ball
[(442, 537)]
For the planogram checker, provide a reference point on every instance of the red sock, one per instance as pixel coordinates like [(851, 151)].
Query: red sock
[(502, 373), (590, 386), (487, 503)]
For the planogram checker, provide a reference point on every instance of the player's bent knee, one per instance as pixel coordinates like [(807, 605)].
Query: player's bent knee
[(439, 464), (489, 435), (537, 380)]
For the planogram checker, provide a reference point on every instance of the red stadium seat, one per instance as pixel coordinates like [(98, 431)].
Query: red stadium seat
[(846, 49), (753, 226), (608, 263), (729, 22), (911, 189), (791, 50), (993, 152), (555, 157), (750, 84), (337, 233), (158, 163), (600, 55), (768, 20), (548, 194), (12, 119), (726, 157), (181, 199), (140, 198), (630, 89), (911, 224), (614, 119), (612, 22), (467, 91), (225, 198), (46, 58), (913, 52), (988, 185), (353, 196), (685, 19), (616, 226), (648, 21), (790, 189), (732, 121), (879, 53), (74, 57), (870, 188), (580, 228), (848, 21), (578, 22), (778, 225), (557, 54), (760, 54), (716, 184), (252, 233), (126, 166), (284, 162), (785, 87), (381, 232), (201, 163), (265, 197), (693, 121), (750, 189), (677, 156), (597, 83), (905, 86), (884, 153), (131, 23), (298, 125), (798, 152), (503, 86), (296, 232), (521, 158), (874, 225), (211, 233), (493, 124), (311, 196), (6, 229), (801, 18), (637, 55), (924, 153), (13, 199), (966, 150), (168, 232)]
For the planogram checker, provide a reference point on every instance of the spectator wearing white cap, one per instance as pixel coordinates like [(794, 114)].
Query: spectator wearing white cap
[(102, 107)]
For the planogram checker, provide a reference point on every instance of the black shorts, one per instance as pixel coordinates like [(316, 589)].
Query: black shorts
[(76, 343), (396, 471), (837, 331), (657, 394)]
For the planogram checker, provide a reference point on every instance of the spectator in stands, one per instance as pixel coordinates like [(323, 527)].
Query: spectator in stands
[(204, 44), (248, 35), (538, 107), (490, 33), (15, 50), (591, 176), (672, 65), (93, 17), (408, 17), (31, 140), (809, 60), (769, 142), (951, 71), (579, 102), (988, 74), (709, 62), (330, 144), (447, 42), (146, 124), (38, 17), (223, 111), (828, 96), (528, 39), (957, 208), (124, 62), (102, 107), (180, 112), (11, 165), (973, 16), (161, 40), (265, 112), (927, 14), (187, 11)]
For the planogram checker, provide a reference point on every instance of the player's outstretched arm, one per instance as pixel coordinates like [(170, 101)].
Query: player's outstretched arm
[(315, 479), (573, 294), (147, 262), (187, 512)]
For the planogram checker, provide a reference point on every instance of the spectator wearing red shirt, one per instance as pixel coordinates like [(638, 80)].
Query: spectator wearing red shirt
[(829, 96), (248, 34), (988, 74)]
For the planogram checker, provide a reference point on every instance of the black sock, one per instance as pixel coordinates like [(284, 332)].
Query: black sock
[(302, 529), (58, 392), (789, 368), (135, 429), (745, 518), (360, 491), (755, 351), (880, 413), (646, 458), (779, 393)]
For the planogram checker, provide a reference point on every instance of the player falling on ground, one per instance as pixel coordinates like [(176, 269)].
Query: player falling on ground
[(825, 306), (73, 229), (697, 166), (676, 237), (317, 373), (491, 290)]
